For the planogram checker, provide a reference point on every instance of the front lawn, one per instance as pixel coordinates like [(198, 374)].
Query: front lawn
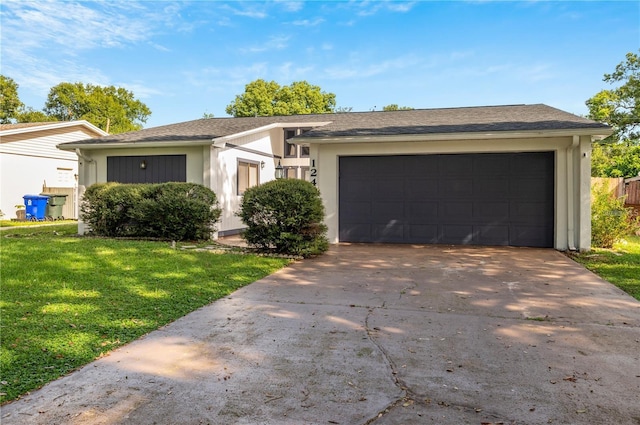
[(67, 300), (620, 265)]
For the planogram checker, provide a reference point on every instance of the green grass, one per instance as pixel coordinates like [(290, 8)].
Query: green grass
[(67, 300), (620, 265), (16, 223)]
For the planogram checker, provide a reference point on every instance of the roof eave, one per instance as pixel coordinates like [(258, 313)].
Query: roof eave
[(72, 146), (55, 125), (593, 132), (220, 142)]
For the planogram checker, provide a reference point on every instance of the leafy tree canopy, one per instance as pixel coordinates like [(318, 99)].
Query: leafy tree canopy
[(31, 115), (268, 98), (10, 103), (620, 107), (615, 160), (395, 107), (110, 108)]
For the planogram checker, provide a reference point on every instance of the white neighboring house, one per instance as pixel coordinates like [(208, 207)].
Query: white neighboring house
[(30, 160)]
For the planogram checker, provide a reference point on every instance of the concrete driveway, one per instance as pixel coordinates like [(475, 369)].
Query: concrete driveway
[(377, 334)]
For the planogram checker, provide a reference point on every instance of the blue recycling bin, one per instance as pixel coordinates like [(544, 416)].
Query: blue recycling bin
[(35, 206)]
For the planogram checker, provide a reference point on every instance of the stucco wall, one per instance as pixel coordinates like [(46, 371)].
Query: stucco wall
[(326, 161)]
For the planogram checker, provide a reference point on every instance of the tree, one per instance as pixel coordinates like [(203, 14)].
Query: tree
[(619, 154), (395, 107), (110, 108), (268, 98), (615, 159), (620, 107), (10, 103), (31, 115)]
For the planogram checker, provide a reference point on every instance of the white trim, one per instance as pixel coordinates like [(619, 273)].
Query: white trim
[(53, 126), (157, 144), (220, 142), (453, 136)]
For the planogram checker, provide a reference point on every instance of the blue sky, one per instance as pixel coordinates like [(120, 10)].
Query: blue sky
[(184, 59)]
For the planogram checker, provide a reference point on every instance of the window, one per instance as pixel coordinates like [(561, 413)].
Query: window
[(65, 177), (248, 175), (290, 172), (291, 149), (306, 173)]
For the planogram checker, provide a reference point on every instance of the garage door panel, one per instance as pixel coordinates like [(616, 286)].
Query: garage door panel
[(532, 165), (388, 189), (357, 212), (529, 212), (356, 167), (489, 165), (456, 211), (356, 233), (455, 165), (491, 188), (392, 231), (456, 234), (356, 190), (528, 189), (383, 212), (491, 211), (489, 199), (423, 212), (455, 187), (532, 236), (423, 166), (423, 233), (493, 234), (389, 166), (422, 188)]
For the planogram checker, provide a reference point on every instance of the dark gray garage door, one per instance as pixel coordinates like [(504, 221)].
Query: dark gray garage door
[(147, 169), (477, 199)]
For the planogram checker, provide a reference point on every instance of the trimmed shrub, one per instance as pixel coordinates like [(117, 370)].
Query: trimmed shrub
[(285, 216), (610, 220), (174, 211), (107, 208)]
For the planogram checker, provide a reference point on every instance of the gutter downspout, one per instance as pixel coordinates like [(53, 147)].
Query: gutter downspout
[(571, 233), (89, 160)]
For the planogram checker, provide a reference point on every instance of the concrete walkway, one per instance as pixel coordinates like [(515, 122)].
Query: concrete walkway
[(377, 334)]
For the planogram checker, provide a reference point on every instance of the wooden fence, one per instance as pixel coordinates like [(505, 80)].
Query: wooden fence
[(632, 190), (69, 208), (615, 186)]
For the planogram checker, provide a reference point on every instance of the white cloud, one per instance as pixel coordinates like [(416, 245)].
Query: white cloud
[(291, 6), (248, 10), (357, 69), (273, 43), (308, 23)]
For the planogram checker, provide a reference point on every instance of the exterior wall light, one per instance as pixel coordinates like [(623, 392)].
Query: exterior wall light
[(279, 171), (143, 165)]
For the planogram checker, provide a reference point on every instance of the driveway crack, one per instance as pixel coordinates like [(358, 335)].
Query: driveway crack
[(406, 393)]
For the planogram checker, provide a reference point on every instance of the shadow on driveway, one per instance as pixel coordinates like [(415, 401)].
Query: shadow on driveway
[(382, 334)]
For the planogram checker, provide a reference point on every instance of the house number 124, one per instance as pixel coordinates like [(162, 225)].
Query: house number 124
[(313, 171)]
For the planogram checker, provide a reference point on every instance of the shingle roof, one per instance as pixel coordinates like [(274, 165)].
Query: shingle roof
[(417, 121), (23, 125)]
